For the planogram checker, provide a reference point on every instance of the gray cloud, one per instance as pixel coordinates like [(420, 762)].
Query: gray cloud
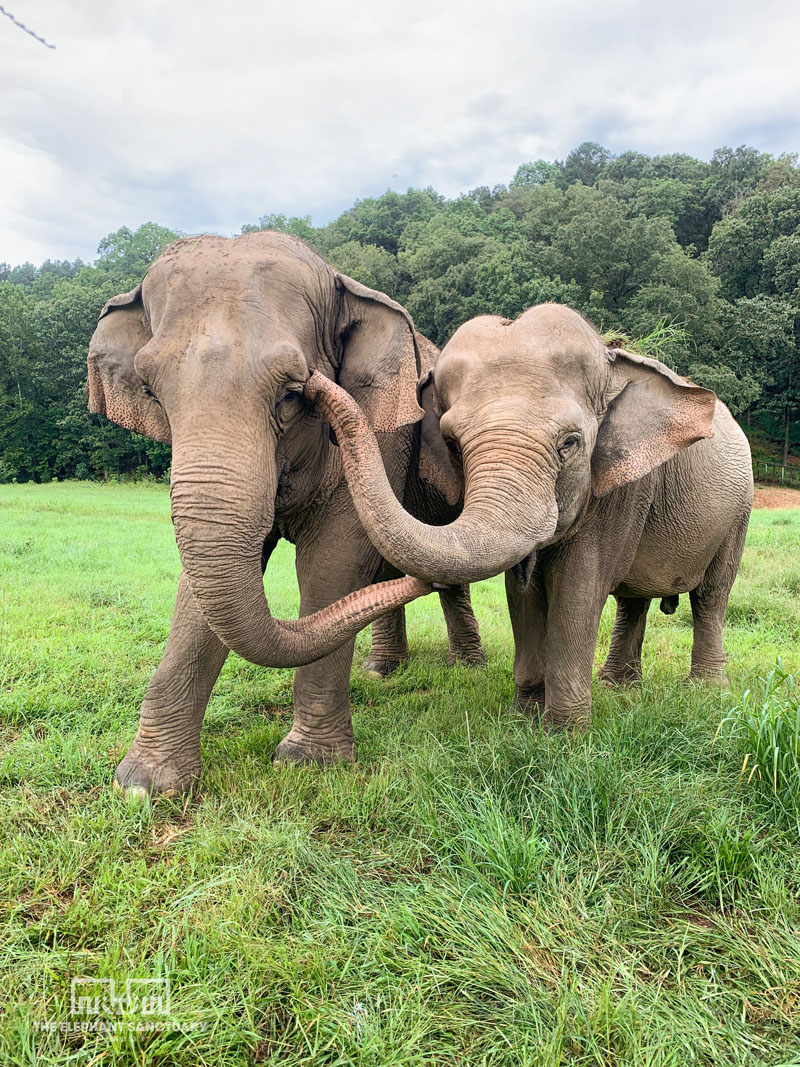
[(204, 115)]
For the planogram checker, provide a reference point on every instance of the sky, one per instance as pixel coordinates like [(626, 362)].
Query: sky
[(203, 116)]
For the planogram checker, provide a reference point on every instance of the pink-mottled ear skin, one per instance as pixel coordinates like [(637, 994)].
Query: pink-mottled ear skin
[(654, 415), (380, 362), (115, 389)]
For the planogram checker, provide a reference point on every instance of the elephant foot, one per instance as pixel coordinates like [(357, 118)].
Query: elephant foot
[(617, 676), (528, 701), (467, 657), (557, 720), (296, 748), (709, 676), (383, 666), (139, 775)]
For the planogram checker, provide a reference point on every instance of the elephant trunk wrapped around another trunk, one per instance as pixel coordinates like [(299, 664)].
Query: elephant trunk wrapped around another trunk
[(495, 530)]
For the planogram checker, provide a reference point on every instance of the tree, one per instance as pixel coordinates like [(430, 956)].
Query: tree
[(536, 173), (128, 254), (368, 264), (381, 220), (739, 392), (585, 164), (299, 226), (734, 174)]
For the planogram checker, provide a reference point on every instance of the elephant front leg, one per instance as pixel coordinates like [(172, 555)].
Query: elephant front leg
[(339, 560), (575, 595), (463, 636), (165, 755), (527, 606), (623, 665)]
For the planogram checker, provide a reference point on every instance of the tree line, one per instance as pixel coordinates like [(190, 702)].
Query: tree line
[(698, 261)]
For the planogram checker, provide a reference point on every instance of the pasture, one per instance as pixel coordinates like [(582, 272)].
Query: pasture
[(471, 892)]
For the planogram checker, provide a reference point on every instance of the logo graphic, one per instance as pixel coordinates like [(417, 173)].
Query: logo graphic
[(101, 997)]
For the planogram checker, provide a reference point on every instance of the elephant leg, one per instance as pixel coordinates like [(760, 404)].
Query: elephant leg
[(165, 755), (528, 610), (576, 594), (623, 664), (463, 636), (709, 602), (389, 647), (336, 560)]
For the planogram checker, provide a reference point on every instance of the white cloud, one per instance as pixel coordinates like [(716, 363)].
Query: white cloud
[(204, 116)]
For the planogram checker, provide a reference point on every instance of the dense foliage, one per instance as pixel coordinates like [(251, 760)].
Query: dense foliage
[(702, 258)]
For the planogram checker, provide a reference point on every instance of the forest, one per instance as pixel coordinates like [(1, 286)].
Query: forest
[(698, 263)]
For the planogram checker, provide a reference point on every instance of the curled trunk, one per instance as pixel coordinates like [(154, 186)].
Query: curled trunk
[(222, 508), (505, 515)]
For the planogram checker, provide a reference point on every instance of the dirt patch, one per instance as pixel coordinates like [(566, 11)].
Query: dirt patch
[(771, 496)]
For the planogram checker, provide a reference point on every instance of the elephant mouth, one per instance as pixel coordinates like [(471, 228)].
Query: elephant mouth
[(523, 571)]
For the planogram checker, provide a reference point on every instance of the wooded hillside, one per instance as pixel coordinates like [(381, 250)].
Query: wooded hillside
[(699, 261)]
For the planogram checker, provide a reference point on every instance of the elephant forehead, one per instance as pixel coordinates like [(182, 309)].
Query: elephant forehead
[(229, 275), (548, 343)]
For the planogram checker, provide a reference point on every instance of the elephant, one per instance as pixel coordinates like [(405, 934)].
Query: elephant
[(211, 352), (588, 471)]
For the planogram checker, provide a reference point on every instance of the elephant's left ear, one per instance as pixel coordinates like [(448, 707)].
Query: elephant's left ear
[(380, 363), (653, 415)]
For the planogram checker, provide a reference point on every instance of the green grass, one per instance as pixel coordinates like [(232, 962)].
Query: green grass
[(471, 892), (770, 725)]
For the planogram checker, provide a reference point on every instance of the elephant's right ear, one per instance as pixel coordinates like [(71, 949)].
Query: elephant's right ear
[(115, 389), (380, 364), (653, 414)]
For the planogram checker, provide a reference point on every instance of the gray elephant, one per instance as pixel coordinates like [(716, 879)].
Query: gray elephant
[(211, 352), (587, 471)]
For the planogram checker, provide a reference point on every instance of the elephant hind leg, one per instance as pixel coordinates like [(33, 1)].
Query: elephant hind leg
[(462, 627), (623, 665), (389, 647), (389, 644), (709, 602)]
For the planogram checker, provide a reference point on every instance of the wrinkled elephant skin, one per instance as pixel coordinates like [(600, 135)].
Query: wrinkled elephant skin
[(211, 353), (587, 472)]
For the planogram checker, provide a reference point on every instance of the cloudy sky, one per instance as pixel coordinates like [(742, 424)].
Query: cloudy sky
[(202, 116)]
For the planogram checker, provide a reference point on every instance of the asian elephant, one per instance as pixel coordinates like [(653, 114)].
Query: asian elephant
[(211, 352), (587, 471)]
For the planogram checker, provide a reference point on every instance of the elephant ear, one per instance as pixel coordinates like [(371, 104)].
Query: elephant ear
[(435, 467), (115, 389), (380, 362), (653, 415)]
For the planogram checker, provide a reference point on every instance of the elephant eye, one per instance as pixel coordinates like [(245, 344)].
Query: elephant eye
[(287, 404), (569, 444), (148, 392)]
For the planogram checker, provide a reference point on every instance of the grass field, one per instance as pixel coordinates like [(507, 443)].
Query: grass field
[(471, 892)]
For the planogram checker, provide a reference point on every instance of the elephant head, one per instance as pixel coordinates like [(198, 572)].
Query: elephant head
[(541, 418), (211, 352)]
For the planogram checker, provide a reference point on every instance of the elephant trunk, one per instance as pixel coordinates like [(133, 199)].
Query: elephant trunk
[(222, 508), (502, 522)]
